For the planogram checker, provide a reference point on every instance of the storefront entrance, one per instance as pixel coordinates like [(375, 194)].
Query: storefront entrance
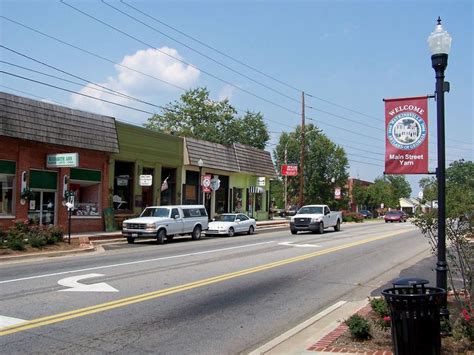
[(42, 208)]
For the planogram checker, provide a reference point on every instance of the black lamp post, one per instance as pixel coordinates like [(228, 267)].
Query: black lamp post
[(200, 164), (440, 43)]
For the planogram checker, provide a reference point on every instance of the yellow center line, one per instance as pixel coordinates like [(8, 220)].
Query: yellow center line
[(60, 317)]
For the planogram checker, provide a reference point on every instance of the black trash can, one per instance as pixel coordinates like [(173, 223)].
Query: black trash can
[(415, 319)]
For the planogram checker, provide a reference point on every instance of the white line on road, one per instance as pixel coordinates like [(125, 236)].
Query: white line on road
[(291, 244), (8, 321), (133, 262)]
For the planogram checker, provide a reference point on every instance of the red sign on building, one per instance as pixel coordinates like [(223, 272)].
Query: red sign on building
[(289, 170), (406, 135)]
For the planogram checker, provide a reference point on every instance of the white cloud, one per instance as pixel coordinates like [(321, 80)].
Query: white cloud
[(155, 64), (226, 92)]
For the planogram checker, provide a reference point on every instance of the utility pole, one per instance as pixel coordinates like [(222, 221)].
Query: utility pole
[(286, 178), (302, 153)]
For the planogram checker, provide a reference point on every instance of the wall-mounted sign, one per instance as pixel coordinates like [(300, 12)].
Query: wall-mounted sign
[(289, 170), (64, 160), (146, 180), (122, 180), (261, 181), (206, 183)]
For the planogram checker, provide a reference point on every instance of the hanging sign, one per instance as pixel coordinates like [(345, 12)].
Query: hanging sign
[(406, 138), (206, 183), (337, 193), (289, 170)]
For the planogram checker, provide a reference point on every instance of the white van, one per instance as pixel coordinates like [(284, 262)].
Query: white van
[(164, 222)]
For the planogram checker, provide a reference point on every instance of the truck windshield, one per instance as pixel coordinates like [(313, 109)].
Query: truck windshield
[(156, 212), (310, 210)]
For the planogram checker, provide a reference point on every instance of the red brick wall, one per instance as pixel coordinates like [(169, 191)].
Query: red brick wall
[(32, 155)]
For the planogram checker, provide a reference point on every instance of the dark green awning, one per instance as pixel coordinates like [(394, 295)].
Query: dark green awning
[(86, 175), (40, 179), (7, 167)]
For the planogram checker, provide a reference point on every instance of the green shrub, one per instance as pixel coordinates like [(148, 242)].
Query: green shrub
[(380, 306), (54, 235), (37, 236), (16, 235), (352, 217), (3, 238), (359, 327), (16, 244)]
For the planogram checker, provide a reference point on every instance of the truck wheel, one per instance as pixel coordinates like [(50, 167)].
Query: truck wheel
[(251, 230), (320, 229), (130, 240), (160, 238), (293, 231), (337, 227), (196, 234)]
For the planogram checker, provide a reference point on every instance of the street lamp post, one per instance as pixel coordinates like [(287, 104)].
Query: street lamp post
[(440, 43), (286, 179), (200, 164)]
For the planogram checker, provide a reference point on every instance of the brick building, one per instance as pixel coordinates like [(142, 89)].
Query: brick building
[(48, 151)]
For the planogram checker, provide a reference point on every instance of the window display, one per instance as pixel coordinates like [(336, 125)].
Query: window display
[(6, 194)]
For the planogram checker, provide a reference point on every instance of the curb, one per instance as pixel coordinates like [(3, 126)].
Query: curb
[(47, 254)]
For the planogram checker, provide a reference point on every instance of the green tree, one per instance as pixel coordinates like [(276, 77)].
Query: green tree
[(360, 195), (196, 115), (325, 166), (459, 222), (249, 129), (400, 186)]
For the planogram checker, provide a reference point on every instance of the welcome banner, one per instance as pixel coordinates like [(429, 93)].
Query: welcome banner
[(406, 135)]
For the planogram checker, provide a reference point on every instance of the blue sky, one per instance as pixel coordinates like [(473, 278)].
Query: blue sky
[(350, 53)]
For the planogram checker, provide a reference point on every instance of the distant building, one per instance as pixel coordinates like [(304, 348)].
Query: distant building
[(353, 204)]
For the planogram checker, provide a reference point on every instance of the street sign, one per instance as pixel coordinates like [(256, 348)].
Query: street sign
[(337, 193), (289, 170), (206, 183)]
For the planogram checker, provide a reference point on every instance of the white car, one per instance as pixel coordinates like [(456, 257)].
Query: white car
[(230, 224)]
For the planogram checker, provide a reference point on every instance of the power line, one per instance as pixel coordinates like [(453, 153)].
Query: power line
[(180, 60), (107, 90), (212, 48), (75, 92), (201, 53)]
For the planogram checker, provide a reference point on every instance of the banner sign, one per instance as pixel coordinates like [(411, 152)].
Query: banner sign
[(406, 139), (206, 183), (337, 193), (289, 170)]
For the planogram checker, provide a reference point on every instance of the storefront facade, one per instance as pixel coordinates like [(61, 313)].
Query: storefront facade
[(49, 152), (239, 178), (146, 172)]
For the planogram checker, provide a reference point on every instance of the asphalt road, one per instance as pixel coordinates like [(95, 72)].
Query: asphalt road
[(214, 296)]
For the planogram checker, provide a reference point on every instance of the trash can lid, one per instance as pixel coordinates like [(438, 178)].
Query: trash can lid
[(410, 281)]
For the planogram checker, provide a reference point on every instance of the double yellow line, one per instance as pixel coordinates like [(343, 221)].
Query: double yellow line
[(61, 317)]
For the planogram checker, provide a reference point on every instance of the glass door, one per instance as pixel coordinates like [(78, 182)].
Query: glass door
[(42, 209)]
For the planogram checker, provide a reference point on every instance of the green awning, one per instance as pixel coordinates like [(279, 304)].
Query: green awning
[(7, 167), (40, 179), (86, 175)]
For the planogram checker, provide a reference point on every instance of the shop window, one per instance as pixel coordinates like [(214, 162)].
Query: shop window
[(191, 187), (123, 185), (168, 187), (7, 184), (237, 200), (258, 202), (86, 186)]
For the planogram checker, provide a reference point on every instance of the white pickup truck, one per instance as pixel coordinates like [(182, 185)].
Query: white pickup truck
[(164, 222), (315, 218)]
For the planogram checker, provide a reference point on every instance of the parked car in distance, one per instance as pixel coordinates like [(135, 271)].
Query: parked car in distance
[(315, 218), (395, 216), (291, 211), (164, 222), (366, 213), (231, 223)]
